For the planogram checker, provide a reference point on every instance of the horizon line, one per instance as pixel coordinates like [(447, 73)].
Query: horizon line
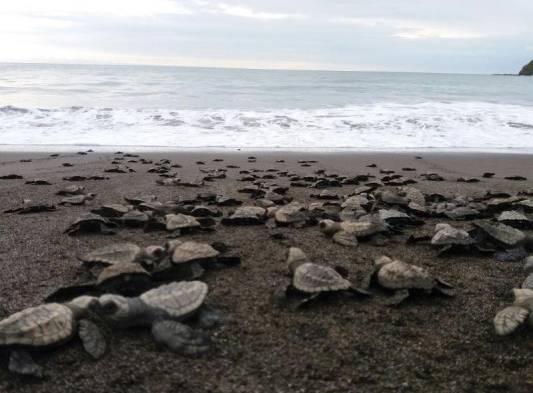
[(246, 68)]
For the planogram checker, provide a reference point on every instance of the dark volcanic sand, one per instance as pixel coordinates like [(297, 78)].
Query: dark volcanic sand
[(426, 345)]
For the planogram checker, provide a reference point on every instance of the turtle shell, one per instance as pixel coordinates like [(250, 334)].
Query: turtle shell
[(124, 271), (177, 299), (312, 278), (193, 251), (289, 214), (114, 253), (246, 215), (447, 235), (180, 221), (501, 233), (359, 228), (401, 275), (39, 326)]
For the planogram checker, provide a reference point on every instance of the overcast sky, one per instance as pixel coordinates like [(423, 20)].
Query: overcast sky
[(480, 36)]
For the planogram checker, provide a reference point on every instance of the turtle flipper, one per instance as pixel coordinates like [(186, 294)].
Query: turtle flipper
[(399, 296), (92, 338), (180, 338), (443, 283), (359, 291), (367, 279), (208, 317), (21, 362), (289, 297), (508, 319), (445, 291)]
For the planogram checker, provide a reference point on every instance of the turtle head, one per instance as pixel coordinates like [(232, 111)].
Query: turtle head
[(112, 307), (329, 227), (82, 305), (523, 296), (382, 261), (295, 258)]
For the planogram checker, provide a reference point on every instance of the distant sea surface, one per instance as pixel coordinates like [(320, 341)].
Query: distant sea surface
[(177, 107)]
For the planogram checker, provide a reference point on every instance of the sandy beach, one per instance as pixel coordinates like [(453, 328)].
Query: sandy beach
[(428, 344)]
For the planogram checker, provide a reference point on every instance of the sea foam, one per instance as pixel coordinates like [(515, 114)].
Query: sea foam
[(378, 126)]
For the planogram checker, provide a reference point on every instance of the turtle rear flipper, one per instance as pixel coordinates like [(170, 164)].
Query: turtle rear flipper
[(180, 338), (92, 338), (508, 319), (399, 296), (21, 362)]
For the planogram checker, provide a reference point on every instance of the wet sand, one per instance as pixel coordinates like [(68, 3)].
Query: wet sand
[(339, 345)]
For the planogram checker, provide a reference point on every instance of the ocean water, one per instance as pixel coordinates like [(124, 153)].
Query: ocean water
[(175, 107)]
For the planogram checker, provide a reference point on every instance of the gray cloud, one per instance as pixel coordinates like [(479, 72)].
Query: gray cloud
[(419, 35)]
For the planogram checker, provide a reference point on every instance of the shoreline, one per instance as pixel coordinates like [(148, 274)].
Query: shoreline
[(110, 149)]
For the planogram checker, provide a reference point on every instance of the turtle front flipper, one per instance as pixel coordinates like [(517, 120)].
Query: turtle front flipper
[(399, 296), (208, 317), (92, 338), (508, 319), (21, 362), (443, 283), (289, 297), (367, 279), (359, 291), (180, 338)]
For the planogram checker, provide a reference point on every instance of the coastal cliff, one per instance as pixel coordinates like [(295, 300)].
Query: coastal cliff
[(527, 69)]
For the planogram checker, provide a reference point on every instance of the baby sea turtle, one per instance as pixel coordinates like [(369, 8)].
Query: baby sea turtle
[(310, 281), (46, 326), (164, 309), (91, 223), (113, 253), (500, 234), (508, 319), (246, 215), (181, 222), (402, 278), (448, 238)]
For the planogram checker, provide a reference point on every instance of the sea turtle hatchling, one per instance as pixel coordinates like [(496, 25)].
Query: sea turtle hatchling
[(507, 320), (163, 309), (45, 326), (403, 278), (311, 280)]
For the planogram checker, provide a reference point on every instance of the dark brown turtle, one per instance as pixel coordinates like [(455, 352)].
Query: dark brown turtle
[(91, 223)]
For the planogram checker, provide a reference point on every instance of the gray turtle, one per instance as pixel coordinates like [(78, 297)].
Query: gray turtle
[(48, 325), (113, 253), (163, 309), (500, 234), (181, 222), (448, 238), (246, 215), (507, 320), (403, 278), (310, 281)]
